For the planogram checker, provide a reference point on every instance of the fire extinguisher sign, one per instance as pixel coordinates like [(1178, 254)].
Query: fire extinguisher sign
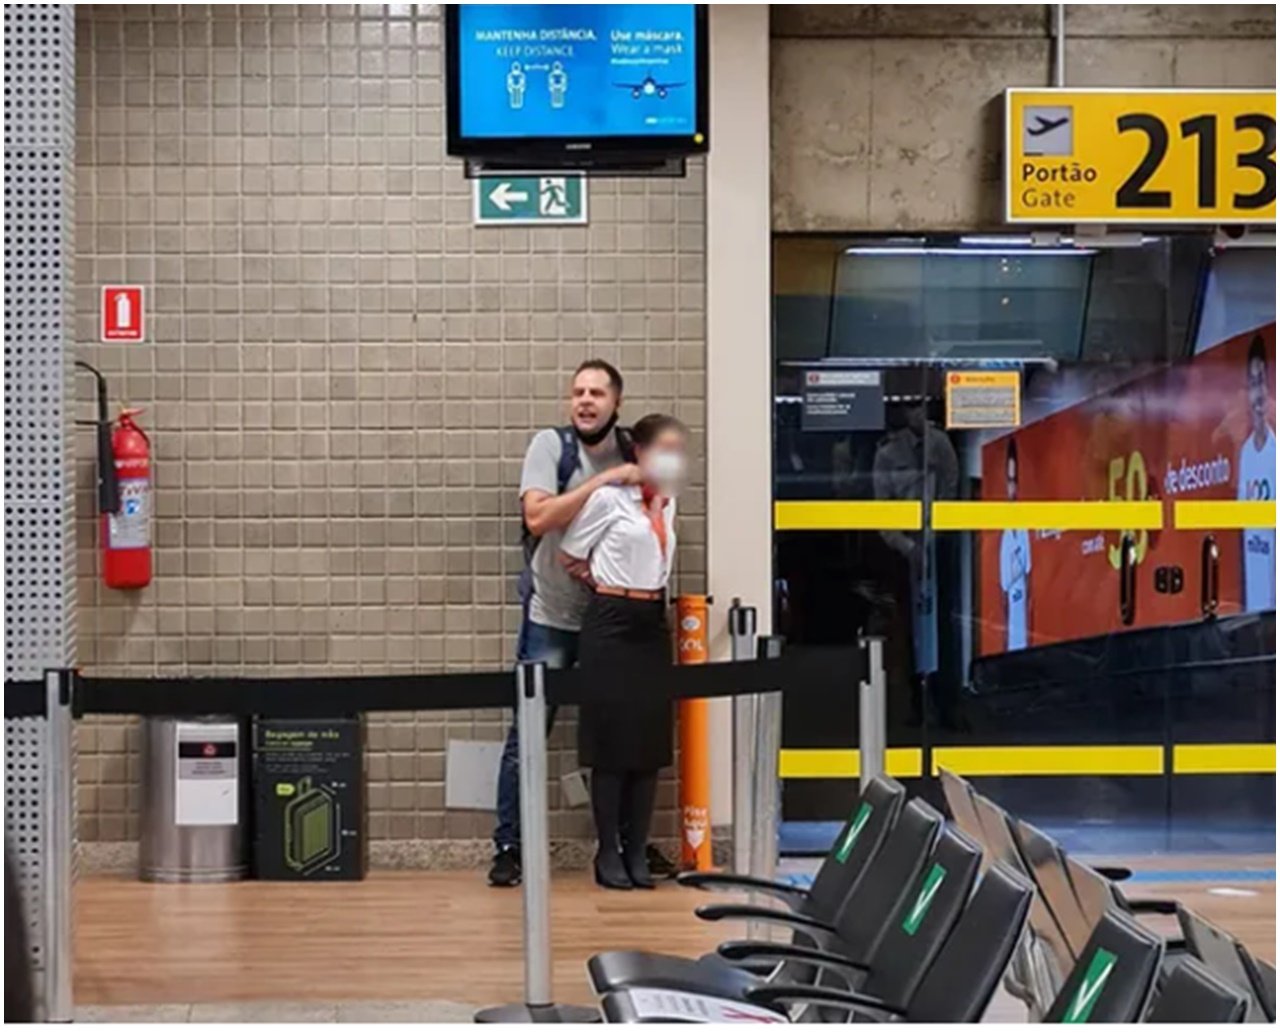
[(123, 317)]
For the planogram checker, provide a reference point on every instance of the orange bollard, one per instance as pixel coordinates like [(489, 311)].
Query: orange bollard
[(695, 762)]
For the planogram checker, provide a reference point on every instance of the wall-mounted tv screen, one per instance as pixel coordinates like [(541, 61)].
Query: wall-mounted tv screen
[(560, 79)]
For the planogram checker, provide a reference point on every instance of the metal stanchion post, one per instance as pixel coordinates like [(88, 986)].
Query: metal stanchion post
[(742, 636), (535, 861), (60, 843), (872, 716), (768, 742)]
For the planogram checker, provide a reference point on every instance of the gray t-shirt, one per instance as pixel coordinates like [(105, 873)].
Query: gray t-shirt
[(559, 601)]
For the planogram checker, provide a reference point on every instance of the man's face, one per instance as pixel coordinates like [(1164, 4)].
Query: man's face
[(1011, 477), (592, 400), (1258, 394)]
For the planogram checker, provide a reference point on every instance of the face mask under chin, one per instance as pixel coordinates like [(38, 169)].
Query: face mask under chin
[(596, 436)]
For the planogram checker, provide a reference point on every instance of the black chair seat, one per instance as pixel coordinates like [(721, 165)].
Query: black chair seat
[(709, 974)]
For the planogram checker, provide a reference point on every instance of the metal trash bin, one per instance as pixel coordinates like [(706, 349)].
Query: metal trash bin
[(195, 799)]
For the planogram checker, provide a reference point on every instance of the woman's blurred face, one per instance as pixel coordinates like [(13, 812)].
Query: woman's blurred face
[(663, 461)]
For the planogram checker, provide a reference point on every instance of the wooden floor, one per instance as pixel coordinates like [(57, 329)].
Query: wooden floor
[(398, 935), (433, 935)]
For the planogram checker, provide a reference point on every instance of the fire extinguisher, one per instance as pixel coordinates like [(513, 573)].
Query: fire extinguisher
[(124, 494)]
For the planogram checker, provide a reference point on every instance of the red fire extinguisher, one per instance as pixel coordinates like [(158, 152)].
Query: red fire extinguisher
[(126, 533), (124, 492)]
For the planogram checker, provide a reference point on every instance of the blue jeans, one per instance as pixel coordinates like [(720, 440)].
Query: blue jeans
[(555, 648)]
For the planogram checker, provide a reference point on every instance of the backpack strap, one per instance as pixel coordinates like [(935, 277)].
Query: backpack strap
[(569, 458)]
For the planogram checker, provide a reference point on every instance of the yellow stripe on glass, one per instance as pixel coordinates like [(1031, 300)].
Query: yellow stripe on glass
[(1046, 516), (861, 515), (902, 762), (1222, 515), (1239, 758), (907, 762), (1050, 760)]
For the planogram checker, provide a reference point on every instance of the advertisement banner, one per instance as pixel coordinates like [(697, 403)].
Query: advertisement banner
[(1200, 430)]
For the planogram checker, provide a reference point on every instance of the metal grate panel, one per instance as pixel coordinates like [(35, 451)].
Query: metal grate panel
[(24, 787), (39, 602)]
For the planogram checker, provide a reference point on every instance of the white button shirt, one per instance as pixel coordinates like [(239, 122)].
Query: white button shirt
[(614, 530)]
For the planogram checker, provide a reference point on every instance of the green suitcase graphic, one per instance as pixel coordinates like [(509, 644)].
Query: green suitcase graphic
[(311, 828)]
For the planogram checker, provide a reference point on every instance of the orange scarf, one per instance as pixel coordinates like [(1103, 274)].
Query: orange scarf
[(656, 521)]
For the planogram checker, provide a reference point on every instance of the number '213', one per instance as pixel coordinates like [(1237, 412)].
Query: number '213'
[(1204, 130)]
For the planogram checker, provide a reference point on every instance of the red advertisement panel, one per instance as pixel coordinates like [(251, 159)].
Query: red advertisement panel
[(1200, 430)]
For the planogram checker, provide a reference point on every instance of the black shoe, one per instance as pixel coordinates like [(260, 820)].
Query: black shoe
[(505, 870), (611, 873), (638, 869), (659, 866)]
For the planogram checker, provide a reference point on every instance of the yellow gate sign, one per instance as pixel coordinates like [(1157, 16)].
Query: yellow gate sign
[(1151, 156)]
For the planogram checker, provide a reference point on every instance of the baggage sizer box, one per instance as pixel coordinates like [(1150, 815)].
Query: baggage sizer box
[(309, 789)]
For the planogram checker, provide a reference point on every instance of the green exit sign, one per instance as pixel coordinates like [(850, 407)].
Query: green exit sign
[(530, 200)]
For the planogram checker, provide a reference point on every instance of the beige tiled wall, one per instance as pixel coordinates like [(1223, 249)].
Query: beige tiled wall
[(341, 372)]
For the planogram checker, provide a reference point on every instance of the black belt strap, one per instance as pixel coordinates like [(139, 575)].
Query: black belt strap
[(797, 670)]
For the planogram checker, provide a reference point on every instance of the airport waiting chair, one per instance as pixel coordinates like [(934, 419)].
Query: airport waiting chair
[(1034, 976), (959, 796), (861, 837), (1096, 893), (1191, 993), (862, 918), (1049, 957), (917, 931), (959, 984), (1113, 979), (1044, 859), (1223, 955), (1263, 977)]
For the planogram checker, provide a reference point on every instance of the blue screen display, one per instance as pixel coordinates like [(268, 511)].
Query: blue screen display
[(577, 70)]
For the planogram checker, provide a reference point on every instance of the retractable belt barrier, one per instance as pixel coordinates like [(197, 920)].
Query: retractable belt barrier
[(802, 669), (530, 688)]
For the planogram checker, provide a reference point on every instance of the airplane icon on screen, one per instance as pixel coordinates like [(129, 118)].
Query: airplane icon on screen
[(1046, 125), (648, 87)]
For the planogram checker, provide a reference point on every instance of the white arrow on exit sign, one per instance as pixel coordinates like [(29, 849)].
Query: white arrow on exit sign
[(504, 194), (529, 199)]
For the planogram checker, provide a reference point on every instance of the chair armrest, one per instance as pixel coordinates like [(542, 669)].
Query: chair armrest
[(792, 895), (743, 950), (746, 912), (1152, 906), (1113, 872), (788, 993)]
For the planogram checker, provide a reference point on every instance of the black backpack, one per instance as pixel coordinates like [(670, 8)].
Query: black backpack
[(565, 469)]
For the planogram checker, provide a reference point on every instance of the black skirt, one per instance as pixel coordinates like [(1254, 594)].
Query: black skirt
[(631, 733)]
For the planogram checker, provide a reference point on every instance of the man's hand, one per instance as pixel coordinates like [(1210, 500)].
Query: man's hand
[(627, 473), (579, 570)]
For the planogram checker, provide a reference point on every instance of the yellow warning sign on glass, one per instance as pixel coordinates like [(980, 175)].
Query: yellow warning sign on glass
[(1152, 156), (983, 398)]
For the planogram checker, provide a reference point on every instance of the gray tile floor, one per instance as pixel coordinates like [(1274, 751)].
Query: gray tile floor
[(282, 1011)]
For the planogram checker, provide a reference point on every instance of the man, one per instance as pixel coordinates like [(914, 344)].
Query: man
[(1256, 482), (1015, 565), (918, 462), (562, 468)]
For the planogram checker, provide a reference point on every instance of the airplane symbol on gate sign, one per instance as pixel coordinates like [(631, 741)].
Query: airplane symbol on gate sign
[(1046, 125)]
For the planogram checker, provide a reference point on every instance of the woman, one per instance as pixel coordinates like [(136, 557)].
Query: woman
[(622, 542)]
